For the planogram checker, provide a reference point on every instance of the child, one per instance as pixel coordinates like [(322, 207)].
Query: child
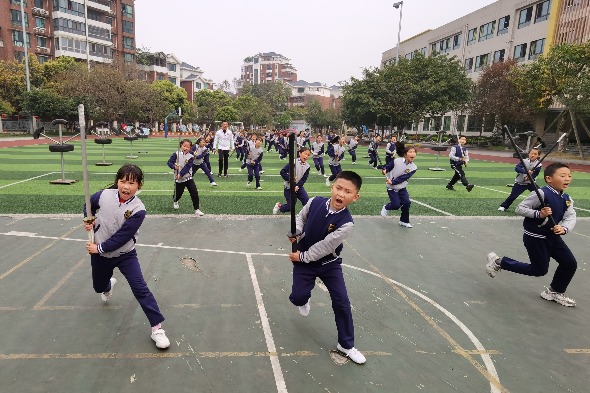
[(301, 173), (335, 151), (199, 151), (390, 149), (522, 181), (324, 224), (254, 157), (119, 214), (543, 240), (373, 146), (459, 157), (397, 173), (352, 145), (300, 140), (182, 163), (318, 155)]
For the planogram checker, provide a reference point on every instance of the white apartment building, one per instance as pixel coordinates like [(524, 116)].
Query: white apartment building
[(516, 29)]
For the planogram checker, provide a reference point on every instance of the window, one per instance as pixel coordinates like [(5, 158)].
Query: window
[(40, 23), (94, 15), (444, 45), (461, 123), (108, 20), (128, 58), (474, 123), (536, 48), (69, 7), (542, 12), (17, 38), (17, 2), (172, 79), (198, 85), (127, 27), (487, 31), (446, 123), (426, 125), (127, 10), (16, 18), (524, 18), (481, 61), (457, 40), (301, 90), (433, 48), (61, 24), (520, 52), (38, 3), (422, 51), (172, 67), (469, 65), (499, 56), (128, 43), (471, 36), (160, 77), (42, 59), (42, 42), (503, 25)]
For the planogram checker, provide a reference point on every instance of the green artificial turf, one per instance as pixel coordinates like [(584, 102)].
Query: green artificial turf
[(25, 173)]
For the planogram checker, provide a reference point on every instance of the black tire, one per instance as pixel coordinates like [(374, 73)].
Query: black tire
[(61, 148), (103, 141), (38, 132), (131, 138), (439, 148), (60, 121)]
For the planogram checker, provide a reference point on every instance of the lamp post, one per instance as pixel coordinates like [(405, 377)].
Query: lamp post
[(400, 5)]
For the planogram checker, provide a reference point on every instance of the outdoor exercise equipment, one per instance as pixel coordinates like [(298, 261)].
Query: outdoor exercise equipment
[(59, 146), (520, 153), (141, 135), (102, 133), (438, 148), (88, 217), (130, 137)]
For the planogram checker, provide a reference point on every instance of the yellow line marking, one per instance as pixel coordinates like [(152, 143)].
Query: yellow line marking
[(59, 284), (576, 351), (493, 380), (20, 264), (159, 355)]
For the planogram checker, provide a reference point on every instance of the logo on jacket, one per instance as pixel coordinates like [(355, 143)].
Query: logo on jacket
[(568, 203), (331, 228), (127, 214), (407, 170)]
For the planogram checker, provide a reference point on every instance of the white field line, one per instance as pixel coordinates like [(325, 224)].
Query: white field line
[(270, 344), (431, 207), (26, 180)]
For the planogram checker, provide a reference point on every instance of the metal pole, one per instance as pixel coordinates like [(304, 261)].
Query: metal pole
[(22, 12), (86, 33), (399, 5), (292, 158)]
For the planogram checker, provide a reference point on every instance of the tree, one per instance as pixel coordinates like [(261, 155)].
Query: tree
[(283, 120), (275, 94), (6, 108), (361, 103), (315, 114), (227, 113), (252, 111), (208, 102), (48, 104), (496, 95)]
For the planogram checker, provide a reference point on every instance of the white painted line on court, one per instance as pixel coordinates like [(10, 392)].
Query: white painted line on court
[(431, 207), (484, 355), (270, 344), (26, 180)]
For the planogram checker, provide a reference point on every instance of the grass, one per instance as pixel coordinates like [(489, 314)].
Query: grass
[(25, 173)]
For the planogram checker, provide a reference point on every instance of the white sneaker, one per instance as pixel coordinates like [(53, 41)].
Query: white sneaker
[(325, 175), (493, 267), (176, 205), (159, 336), (199, 213), (259, 188), (304, 310), (405, 224), (354, 163), (383, 212), (261, 172), (319, 173), (353, 354), (328, 181), (241, 169), (106, 296), (501, 209), (275, 210), (248, 184), (558, 297), (213, 184)]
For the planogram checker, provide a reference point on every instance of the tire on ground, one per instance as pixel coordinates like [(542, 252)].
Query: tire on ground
[(61, 148)]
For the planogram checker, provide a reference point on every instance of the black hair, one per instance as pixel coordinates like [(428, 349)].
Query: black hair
[(199, 140), (552, 168), (303, 149), (185, 140), (401, 149), (128, 172), (538, 149), (352, 177)]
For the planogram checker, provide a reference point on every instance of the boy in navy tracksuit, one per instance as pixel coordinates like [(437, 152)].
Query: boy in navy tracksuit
[(459, 157), (318, 155), (542, 239), (253, 160), (390, 149), (323, 224), (335, 152), (522, 182), (373, 154), (301, 173), (352, 145)]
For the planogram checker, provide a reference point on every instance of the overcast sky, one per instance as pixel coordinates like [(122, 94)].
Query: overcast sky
[(327, 40)]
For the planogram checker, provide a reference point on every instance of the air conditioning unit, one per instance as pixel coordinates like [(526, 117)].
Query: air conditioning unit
[(114, 45), (112, 12), (38, 10), (38, 49), (45, 12), (1, 44), (39, 30), (46, 50)]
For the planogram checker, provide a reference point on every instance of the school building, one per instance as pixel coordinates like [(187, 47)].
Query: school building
[(517, 29)]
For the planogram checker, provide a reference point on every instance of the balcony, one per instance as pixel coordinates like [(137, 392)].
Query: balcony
[(101, 5), (40, 11)]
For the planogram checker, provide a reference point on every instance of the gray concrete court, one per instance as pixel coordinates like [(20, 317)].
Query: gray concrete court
[(427, 316)]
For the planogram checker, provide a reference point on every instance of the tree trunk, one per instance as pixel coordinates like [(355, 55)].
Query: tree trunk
[(585, 127), (575, 126), (563, 144)]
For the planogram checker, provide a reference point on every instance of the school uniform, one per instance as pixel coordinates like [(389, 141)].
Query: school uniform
[(323, 232), (522, 182), (335, 151), (352, 145), (185, 170), (455, 157), (300, 142), (115, 233), (199, 153), (373, 146), (390, 152), (317, 150), (301, 173), (254, 158), (540, 241), (399, 172)]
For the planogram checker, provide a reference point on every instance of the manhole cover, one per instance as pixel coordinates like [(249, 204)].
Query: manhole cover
[(189, 263), (338, 357)]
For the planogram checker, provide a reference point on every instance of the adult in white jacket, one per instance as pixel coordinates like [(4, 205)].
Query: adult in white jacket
[(223, 143)]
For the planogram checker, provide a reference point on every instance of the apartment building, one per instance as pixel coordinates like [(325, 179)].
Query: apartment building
[(516, 29), (302, 93), (266, 67), (89, 30)]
